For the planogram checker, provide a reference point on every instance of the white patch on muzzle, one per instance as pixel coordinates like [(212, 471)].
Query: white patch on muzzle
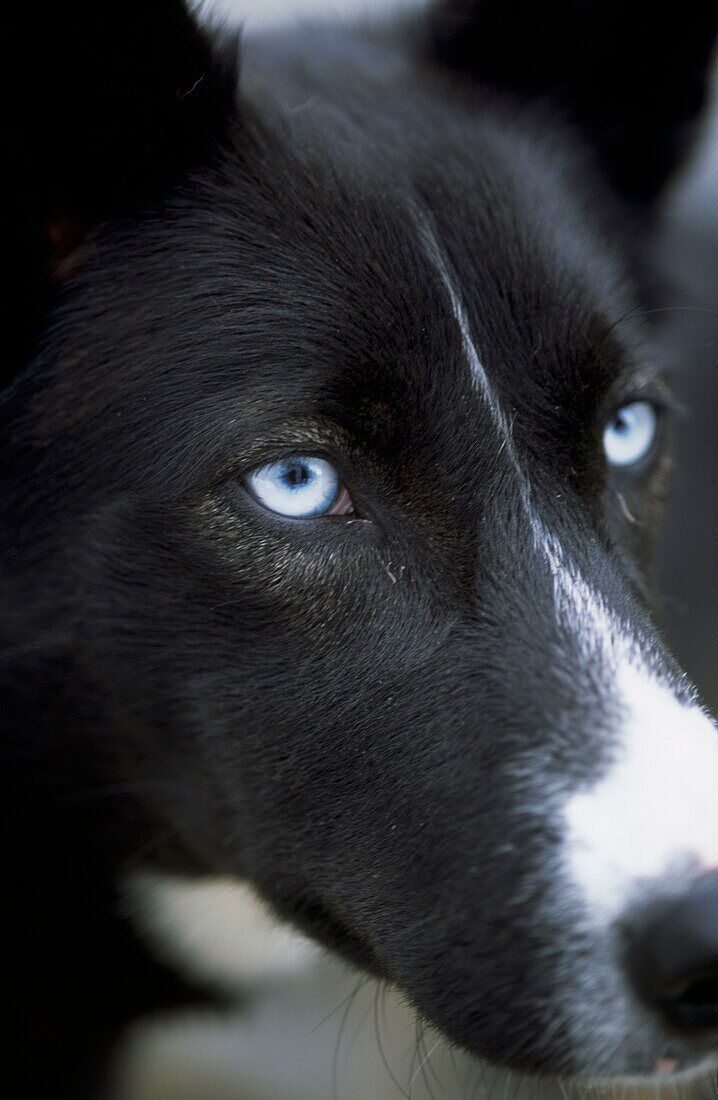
[(656, 809)]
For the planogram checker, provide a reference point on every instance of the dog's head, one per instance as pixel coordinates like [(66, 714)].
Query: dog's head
[(342, 450)]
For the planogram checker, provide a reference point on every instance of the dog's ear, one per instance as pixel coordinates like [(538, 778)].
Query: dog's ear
[(105, 105), (632, 74)]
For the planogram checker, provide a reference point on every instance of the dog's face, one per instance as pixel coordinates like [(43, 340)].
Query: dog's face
[(346, 455)]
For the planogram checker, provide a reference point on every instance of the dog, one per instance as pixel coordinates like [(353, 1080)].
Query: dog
[(335, 447)]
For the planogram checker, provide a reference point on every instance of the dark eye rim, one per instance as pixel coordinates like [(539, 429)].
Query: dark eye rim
[(235, 495)]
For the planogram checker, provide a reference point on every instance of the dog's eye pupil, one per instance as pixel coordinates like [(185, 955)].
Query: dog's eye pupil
[(297, 475), (300, 487), (630, 434)]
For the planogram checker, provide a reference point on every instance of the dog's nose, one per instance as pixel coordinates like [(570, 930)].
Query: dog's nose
[(673, 956)]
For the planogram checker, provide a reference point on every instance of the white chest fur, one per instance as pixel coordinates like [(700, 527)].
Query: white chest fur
[(214, 929)]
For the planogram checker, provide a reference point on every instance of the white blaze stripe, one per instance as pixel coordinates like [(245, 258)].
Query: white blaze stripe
[(476, 367), (584, 612), (477, 370), (658, 805)]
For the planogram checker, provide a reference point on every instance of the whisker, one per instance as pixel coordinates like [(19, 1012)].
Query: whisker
[(637, 313), (352, 994), (363, 980), (425, 1066), (429, 1066), (416, 1054), (380, 1045)]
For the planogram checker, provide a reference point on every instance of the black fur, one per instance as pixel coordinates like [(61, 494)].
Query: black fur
[(350, 713)]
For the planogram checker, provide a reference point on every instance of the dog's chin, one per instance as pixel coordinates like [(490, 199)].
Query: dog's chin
[(668, 1076), (662, 1073), (667, 1079)]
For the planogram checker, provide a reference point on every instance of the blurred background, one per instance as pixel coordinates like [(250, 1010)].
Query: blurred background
[(687, 572), (314, 1030)]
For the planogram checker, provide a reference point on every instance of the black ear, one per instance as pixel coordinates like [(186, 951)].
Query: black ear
[(105, 104), (633, 75)]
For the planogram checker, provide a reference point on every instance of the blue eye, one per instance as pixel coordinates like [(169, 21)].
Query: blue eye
[(630, 434), (300, 487)]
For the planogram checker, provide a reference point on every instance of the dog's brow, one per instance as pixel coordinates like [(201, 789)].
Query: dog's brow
[(478, 372)]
